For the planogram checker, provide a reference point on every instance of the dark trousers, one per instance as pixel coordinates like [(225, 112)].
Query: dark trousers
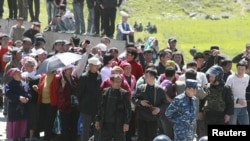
[(12, 9), (69, 125), (108, 17), (37, 10), (131, 131), (109, 131), (87, 121), (97, 19), (1, 8), (47, 118), (201, 128), (166, 127), (214, 118), (147, 130)]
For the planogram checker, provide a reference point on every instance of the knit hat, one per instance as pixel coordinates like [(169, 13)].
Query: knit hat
[(11, 72), (124, 64)]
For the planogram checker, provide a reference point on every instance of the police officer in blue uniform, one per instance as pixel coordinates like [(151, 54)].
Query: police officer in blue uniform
[(182, 112)]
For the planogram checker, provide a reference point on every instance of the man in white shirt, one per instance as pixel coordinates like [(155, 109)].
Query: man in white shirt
[(124, 30), (201, 77), (238, 83)]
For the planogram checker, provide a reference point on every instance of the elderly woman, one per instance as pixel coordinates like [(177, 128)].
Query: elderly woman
[(29, 65), (127, 76), (130, 79), (29, 75), (67, 104), (16, 91)]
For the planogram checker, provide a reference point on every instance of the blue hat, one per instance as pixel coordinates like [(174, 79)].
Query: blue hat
[(190, 83)]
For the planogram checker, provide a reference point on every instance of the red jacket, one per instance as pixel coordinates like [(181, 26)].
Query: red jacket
[(53, 89), (64, 94), (133, 82)]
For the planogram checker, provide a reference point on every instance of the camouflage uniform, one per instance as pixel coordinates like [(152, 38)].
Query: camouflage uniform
[(182, 112)]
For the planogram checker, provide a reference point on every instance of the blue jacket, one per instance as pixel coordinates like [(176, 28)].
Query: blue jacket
[(13, 90)]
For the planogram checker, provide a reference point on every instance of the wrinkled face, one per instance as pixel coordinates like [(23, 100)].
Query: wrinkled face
[(127, 70)]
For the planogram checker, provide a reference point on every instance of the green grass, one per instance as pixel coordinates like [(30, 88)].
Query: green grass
[(230, 35)]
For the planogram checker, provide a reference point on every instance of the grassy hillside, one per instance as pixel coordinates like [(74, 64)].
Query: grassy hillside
[(176, 18)]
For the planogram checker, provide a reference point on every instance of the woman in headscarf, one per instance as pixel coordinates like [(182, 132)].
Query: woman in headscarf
[(16, 91)]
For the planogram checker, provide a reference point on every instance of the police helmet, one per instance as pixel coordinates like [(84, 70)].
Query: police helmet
[(162, 138), (216, 71), (204, 138)]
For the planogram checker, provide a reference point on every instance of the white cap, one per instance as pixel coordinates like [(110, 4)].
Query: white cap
[(40, 51), (124, 14), (94, 61), (102, 46)]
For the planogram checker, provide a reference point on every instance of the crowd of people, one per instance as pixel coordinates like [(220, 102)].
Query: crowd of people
[(116, 93), (101, 15), (108, 95)]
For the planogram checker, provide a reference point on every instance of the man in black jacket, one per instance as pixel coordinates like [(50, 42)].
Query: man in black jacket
[(108, 8), (31, 32), (218, 105), (150, 100), (88, 93), (114, 112)]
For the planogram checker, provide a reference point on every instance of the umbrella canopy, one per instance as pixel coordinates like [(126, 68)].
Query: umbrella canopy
[(57, 61)]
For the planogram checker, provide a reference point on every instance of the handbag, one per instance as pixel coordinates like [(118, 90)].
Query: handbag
[(57, 124)]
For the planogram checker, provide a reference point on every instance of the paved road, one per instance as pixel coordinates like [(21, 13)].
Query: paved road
[(3, 126)]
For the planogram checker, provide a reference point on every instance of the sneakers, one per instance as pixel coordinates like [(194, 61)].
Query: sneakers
[(70, 31), (61, 31), (92, 34)]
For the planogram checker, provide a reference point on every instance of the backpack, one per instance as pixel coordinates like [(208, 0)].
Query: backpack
[(214, 100)]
